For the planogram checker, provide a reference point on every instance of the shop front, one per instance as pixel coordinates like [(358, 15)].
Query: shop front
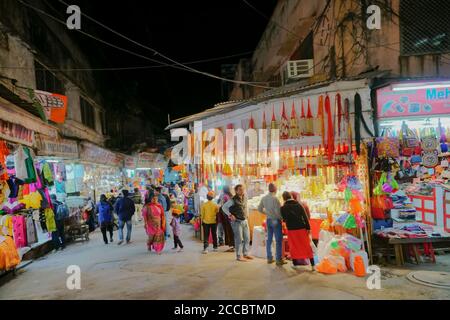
[(98, 172), (144, 169), (410, 187), (26, 212), (55, 155), (321, 158)]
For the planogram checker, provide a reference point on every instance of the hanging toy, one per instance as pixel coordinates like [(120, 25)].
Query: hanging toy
[(293, 129), (309, 121), (273, 124), (303, 121), (284, 130), (251, 124), (264, 124)]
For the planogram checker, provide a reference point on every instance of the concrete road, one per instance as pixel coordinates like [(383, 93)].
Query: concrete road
[(131, 272)]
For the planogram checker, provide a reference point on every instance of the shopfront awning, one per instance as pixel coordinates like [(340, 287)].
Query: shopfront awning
[(284, 91)]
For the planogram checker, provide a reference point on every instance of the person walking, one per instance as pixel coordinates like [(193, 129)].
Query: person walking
[(236, 209), (138, 203), (167, 211), (270, 206), (297, 223), (163, 202), (61, 213), (225, 221), (125, 210), (208, 215), (176, 230), (90, 212), (155, 224), (197, 202), (105, 218)]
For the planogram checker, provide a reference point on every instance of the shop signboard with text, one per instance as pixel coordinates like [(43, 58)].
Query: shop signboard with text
[(130, 162), (67, 149), (16, 133), (95, 154), (413, 99)]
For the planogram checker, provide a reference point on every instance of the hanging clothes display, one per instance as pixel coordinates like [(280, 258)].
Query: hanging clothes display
[(47, 174), (4, 152), (31, 231), (9, 257), (50, 220), (19, 229)]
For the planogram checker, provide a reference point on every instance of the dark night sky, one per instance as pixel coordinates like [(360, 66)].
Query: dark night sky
[(182, 30)]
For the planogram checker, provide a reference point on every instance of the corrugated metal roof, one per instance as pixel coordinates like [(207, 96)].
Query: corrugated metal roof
[(285, 90)]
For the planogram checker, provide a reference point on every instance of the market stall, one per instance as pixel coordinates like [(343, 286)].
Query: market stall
[(101, 171), (26, 211), (322, 156), (411, 168), (144, 169)]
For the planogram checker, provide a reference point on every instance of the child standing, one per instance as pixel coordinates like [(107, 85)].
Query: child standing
[(176, 229)]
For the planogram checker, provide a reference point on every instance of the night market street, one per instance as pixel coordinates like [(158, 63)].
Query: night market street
[(130, 272)]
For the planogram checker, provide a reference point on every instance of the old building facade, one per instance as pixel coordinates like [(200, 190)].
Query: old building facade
[(412, 42)]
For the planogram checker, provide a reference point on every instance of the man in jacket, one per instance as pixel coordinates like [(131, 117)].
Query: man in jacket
[(270, 206), (236, 210), (125, 209)]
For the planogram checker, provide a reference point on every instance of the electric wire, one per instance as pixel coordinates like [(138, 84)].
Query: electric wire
[(177, 66)]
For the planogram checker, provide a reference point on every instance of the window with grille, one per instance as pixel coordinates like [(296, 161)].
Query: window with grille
[(47, 81), (424, 27), (87, 113)]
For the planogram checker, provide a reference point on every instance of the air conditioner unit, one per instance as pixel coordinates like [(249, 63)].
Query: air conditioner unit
[(296, 69)]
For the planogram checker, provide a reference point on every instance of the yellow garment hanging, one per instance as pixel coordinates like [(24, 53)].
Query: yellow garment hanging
[(50, 220)]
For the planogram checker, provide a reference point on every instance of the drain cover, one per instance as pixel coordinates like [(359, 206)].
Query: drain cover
[(431, 279)]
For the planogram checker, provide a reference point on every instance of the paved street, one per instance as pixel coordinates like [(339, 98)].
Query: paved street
[(130, 272)]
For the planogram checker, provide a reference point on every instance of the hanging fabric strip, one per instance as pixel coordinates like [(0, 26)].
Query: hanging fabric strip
[(330, 129), (358, 116), (320, 115), (349, 125), (339, 113)]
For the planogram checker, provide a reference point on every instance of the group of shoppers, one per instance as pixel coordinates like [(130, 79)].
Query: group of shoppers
[(229, 219)]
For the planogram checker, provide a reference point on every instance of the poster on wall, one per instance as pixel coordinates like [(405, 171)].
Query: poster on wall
[(413, 99), (54, 105)]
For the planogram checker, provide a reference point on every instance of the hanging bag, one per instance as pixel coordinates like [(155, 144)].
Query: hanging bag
[(388, 146), (410, 143)]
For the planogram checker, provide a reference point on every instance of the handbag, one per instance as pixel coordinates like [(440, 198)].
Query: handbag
[(410, 143), (430, 159), (429, 143), (388, 147)]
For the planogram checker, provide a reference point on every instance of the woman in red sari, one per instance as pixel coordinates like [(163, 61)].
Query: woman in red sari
[(155, 225), (297, 223)]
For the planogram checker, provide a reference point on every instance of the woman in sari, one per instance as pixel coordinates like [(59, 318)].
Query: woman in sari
[(155, 224)]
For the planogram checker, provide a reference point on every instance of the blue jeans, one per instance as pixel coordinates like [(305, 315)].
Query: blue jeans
[(241, 237), (274, 228), (129, 224), (168, 216)]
